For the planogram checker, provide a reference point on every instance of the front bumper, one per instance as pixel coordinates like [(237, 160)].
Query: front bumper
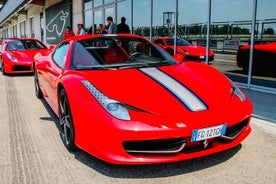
[(18, 67)]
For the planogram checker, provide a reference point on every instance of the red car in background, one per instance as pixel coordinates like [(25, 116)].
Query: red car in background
[(16, 55), (264, 58), (125, 100), (189, 51)]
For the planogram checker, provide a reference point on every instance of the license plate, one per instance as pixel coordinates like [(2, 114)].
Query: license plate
[(201, 57), (209, 132)]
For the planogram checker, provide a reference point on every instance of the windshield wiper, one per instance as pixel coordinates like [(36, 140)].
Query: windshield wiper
[(136, 65), (146, 64), (96, 68)]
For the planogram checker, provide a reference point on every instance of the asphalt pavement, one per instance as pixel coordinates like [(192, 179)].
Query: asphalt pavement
[(264, 105), (32, 152)]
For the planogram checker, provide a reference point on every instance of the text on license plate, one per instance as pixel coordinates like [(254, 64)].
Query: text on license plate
[(209, 132)]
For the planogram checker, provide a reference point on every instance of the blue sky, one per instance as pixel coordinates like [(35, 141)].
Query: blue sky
[(196, 11)]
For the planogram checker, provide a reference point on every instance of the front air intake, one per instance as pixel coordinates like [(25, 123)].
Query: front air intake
[(162, 146)]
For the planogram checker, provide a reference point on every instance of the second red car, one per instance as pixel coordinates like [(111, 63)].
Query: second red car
[(16, 55), (189, 51)]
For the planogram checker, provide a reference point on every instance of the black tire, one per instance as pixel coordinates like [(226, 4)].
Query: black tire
[(3, 69), (245, 69), (38, 91), (66, 122)]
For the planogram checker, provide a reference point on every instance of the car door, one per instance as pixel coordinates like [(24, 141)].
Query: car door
[(53, 72)]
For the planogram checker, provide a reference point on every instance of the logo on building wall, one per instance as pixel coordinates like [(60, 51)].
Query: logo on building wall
[(57, 23), (57, 19)]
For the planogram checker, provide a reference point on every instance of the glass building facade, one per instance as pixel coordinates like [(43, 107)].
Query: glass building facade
[(221, 25), (231, 24)]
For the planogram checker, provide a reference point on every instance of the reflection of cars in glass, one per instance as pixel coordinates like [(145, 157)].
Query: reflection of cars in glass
[(264, 58), (17, 54), (189, 51), (127, 101)]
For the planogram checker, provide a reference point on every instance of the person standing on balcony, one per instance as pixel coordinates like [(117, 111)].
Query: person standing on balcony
[(112, 28), (68, 33), (81, 31), (123, 27)]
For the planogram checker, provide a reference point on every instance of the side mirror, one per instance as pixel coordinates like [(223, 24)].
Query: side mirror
[(160, 45), (51, 47), (178, 57)]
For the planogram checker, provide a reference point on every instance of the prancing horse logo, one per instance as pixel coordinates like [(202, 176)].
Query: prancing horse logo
[(57, 23), (205, 143)]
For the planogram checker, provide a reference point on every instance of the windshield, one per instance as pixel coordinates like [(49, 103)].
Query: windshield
[(24, 45), (179, 42), (117, 52)]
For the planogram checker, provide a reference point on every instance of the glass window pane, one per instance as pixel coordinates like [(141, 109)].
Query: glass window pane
[(98, 3), (87, 4), (98, 17), (164, 15), (141, 23), (108, 1), (124, 10), (264, 65)]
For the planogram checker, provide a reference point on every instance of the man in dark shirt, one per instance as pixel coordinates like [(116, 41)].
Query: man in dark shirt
[(123, 27)]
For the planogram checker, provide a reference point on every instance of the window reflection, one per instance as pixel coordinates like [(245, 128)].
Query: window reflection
[(230, 27), (141, 23)]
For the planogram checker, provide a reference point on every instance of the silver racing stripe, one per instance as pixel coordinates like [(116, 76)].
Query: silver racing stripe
[(190, 100)]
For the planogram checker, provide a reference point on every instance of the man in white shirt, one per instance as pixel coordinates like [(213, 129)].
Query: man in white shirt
[(81, 31)]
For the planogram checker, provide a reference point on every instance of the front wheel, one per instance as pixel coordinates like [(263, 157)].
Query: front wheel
[(66, 122), (3, 69), (38, 92)]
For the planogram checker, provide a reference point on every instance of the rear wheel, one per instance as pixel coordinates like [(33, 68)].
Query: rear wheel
[(38, 92), (66, 122)]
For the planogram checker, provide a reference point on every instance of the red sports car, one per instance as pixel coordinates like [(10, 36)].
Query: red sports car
[(125, 100), (264, 58), (189, 51), (16, 55)]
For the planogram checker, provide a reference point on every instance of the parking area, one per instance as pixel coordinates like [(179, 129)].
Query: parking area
[(227, 64), (32, 151)]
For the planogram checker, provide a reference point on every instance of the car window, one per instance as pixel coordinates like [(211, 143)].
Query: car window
[(33, 44), (15, 45), (159, 42), (24, 45), (60, 54), (115, 51), (82, 57), (179, 42)]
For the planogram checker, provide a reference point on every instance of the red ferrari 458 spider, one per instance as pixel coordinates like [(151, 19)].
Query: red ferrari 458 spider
[(189, 51), (264, 58), (125, 100), (16, 55)]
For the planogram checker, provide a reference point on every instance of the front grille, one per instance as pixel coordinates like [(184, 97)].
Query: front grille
[(162, 146), (21, 68), (233, 131), (196, 58), (198, 146), (191, 58)]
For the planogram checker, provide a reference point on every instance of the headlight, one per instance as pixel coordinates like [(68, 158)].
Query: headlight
[(12, 58), (185, 51), (114, 107), (236, 90)]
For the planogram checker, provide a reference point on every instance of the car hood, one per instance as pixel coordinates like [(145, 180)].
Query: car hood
[(26, 55), (194, 50), (269, 47), (137, 88)]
